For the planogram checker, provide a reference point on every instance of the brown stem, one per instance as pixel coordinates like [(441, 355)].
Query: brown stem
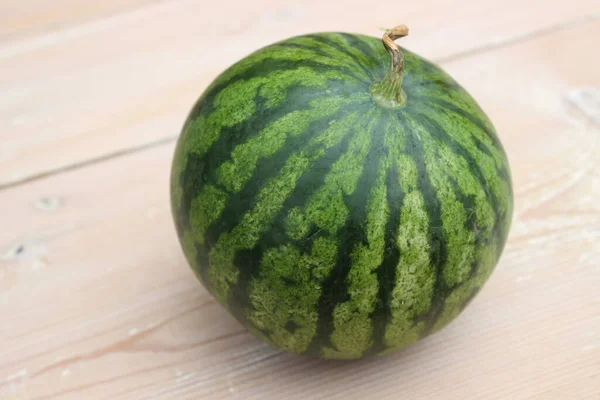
[(388, 93), (395, 51)]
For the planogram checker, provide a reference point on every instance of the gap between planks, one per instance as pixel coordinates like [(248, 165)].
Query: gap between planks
[(510, 41)]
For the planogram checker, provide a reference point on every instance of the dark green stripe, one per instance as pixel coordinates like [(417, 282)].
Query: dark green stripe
[(201, 169), (500, 230), (336, 286), (437, 132), (192, 181), (475, 121), (468, 202), (205, 104), (378, 63), (420, 74), (314, 179), (248, 261), (436, 238), (413, 82), (240, 203), (347, 70), (328, 42), (386, 274), (206, 166), (269, 200)]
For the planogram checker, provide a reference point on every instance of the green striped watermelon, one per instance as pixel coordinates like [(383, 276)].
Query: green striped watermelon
[(337, 206)]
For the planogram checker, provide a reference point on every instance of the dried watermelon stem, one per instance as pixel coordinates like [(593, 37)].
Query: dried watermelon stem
[(388, 93)]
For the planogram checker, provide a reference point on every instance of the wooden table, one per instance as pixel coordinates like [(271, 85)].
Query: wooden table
[(96, 299)]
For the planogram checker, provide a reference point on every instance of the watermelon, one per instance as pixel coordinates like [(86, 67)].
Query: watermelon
[(340, 196)]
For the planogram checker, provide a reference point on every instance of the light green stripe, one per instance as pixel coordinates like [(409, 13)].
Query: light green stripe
[(460, 129), (458, 97), (461, 171), (347, 58), (487, 256), (415, 276), (326, 207), (460, 241), (286, 293), (209, 204), (463, 130), (458, 168), (235, 173), (234, 104), (206, 208), (424, 76), (221, 269), (353, 327), (276, 84), (377, 48), (353, 53), (276, 52)]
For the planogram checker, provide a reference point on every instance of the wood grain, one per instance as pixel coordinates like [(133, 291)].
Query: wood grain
[(34, 17), (97, 302), (94, 87)]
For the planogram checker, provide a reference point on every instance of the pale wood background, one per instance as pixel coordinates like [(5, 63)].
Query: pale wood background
[(96, 300)]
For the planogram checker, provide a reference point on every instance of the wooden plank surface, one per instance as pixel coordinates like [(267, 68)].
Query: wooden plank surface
[(97, 302), (95, 87), (34, 17)]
